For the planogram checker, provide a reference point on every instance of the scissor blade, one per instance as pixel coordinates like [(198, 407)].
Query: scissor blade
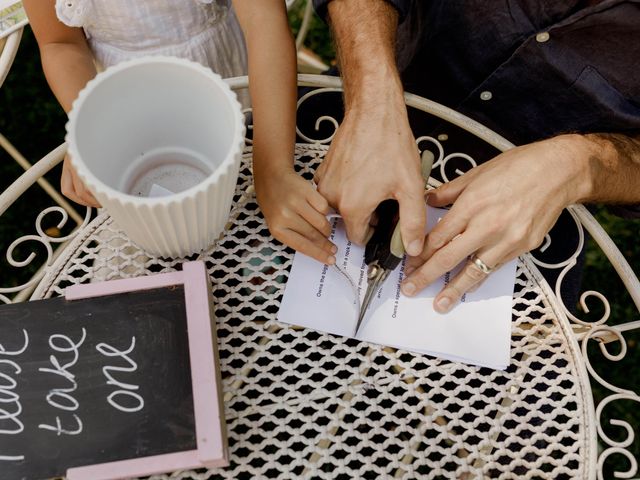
[(368, 296), (372, 288)]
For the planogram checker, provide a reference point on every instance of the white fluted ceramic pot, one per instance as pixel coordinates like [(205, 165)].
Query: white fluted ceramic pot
[(158, 141)]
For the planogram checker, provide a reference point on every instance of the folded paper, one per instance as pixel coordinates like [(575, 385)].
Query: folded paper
[(477, 331)]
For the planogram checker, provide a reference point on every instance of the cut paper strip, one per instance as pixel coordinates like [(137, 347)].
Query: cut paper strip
[(159, 191)]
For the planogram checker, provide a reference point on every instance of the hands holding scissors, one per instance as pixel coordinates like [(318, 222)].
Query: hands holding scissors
[(363, 168), (500, 210)]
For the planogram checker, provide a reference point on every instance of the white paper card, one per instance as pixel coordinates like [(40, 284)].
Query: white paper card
[(159, 191), (477, 331)]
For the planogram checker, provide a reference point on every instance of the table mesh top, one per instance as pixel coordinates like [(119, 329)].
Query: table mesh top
[(304, 404)]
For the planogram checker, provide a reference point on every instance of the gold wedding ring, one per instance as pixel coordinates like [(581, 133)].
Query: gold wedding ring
[(483, 267)]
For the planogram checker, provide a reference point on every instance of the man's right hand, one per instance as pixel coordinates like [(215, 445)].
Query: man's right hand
[(372, 158)]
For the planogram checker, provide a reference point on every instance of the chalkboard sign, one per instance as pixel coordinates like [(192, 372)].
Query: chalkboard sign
[(117, 379)]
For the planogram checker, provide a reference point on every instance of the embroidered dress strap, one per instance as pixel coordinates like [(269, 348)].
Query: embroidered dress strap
[(73, 13)]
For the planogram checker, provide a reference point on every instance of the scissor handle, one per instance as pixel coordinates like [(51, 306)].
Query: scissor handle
[(386, 245), (379, 246)]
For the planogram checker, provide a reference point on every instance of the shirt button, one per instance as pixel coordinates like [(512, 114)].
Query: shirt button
[(542, 37), (486, 95)]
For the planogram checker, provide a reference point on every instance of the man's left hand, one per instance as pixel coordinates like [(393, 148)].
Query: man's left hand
[(500, 210)]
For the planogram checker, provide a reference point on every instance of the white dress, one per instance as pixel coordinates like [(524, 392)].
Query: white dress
[(205, 31)]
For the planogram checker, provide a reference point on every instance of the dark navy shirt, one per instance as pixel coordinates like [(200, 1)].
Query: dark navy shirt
[(528, 69)]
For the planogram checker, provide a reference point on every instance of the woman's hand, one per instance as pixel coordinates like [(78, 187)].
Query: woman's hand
[(296, 214)]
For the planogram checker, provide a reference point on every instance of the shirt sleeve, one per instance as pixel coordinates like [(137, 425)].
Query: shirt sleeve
[(403, 7), (630, 212)]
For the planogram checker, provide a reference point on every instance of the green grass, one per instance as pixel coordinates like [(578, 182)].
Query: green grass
[(318, 37)]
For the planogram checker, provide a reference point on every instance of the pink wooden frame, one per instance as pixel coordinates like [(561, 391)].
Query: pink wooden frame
[(210, 432)]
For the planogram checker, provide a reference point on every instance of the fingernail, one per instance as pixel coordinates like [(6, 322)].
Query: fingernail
[(414, 248), (443, 304), (334, 249), (331, 260), (409, 289)]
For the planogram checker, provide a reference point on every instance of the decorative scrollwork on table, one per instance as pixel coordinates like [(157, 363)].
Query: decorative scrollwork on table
[(321, 118), (597, 330), (43, 239)]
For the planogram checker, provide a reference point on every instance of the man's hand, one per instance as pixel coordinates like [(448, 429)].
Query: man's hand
[(500, 210), (372, 158), (73, 188)]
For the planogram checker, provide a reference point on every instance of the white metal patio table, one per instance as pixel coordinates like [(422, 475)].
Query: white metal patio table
[(303, 404)]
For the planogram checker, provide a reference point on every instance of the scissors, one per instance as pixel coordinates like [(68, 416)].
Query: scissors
[(385, 249)]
